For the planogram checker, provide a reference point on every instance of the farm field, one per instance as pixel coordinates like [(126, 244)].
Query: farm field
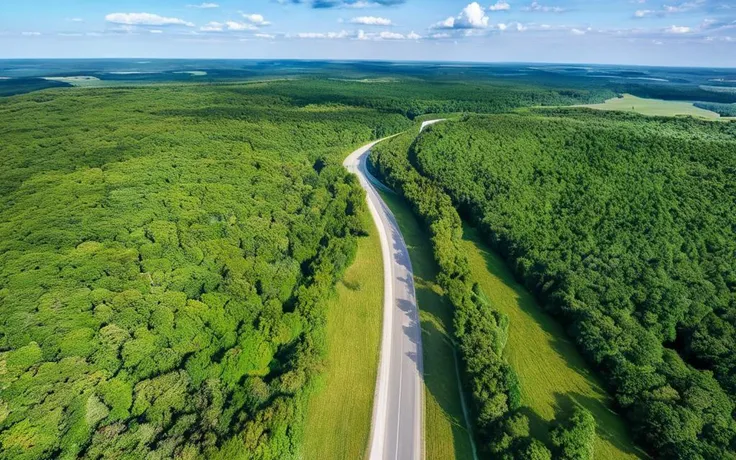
[(629, 103), (338, 421), (446, 435), (552, 373)]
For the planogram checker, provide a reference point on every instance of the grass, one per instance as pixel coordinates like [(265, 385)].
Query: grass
[(553, 375), (445, 432), (339, 414), (629, 103)]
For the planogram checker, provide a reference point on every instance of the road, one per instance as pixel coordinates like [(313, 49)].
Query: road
[(397, 428)]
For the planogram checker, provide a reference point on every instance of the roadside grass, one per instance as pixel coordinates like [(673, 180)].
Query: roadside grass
[(445, 432), (553, 375), (340, 410), (629, 103)]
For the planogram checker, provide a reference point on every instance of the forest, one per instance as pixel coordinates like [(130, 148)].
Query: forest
[(166, 253), (623, 227), (162, 274)]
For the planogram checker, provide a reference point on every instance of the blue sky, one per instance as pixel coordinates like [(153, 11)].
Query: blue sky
[(649, 32)]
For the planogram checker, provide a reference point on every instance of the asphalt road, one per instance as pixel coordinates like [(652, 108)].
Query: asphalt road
[(397, 428)]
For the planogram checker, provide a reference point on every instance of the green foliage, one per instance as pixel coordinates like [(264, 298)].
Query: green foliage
[(481, 332), (573, 438), (724, 110), (165, 256), (623, 227)]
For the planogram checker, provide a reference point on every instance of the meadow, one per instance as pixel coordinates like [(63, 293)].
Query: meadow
[(338, 417), (653, 107), (552, 374)]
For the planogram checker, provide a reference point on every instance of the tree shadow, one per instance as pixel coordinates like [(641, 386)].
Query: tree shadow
[(566, 403)]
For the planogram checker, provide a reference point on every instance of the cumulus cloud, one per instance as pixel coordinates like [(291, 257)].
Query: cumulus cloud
[(472, 16), (538, 7), (145, 19), (678, 30), (371, 21), (577, 31), (501, 5), (239, 26), (213, 27), (204, 6), (256, 19)]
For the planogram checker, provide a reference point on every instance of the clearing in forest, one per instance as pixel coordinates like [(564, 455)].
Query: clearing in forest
[(553, 375), (629, 103)]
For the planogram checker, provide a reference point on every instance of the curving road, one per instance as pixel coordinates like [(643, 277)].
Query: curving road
[(398, 408), (397, 426)]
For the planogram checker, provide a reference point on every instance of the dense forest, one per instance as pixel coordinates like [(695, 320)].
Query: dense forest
[(165, 254), (480, 331), (623, 226)]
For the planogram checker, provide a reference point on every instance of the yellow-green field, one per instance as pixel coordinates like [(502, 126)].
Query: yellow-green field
[(553, 375), (339, 413), (445, 433), (629, 103)]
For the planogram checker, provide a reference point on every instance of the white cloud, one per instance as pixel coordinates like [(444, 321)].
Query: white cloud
[(678, 30), (213, 27), (145, 19), (577, 32), (256, 19), (472, 16), (500, 5), (371, 21), (387, 35), (31, 34), (75, 19), (156, 31), (268, 36), (239, 26), (204, 6), (321, 35), (643, 13), (536, 6)]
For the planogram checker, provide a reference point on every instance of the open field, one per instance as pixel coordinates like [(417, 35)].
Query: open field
[(552, 373), (82, 80), (446, 436), (629, 103), (339, 413)]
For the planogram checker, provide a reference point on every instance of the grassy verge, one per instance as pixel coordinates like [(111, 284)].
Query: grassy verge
[(446, 436), (553, 375), (339, 413), (629, 103)]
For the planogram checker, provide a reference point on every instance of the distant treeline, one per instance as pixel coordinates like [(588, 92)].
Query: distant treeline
[(624, 227), (15, 86), (724, 110)]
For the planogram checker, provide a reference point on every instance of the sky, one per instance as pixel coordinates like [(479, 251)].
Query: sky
[(639, 32)]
